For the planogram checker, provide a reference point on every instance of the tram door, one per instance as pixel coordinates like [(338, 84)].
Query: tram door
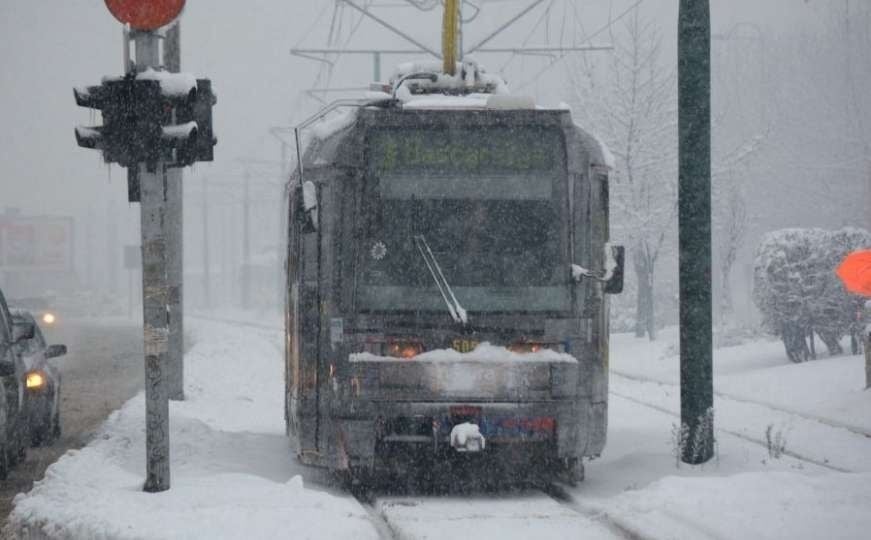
[(309, 331)]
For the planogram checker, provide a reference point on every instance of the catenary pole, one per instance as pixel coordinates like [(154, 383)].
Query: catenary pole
[(207, 271), (866, 333), (175, 242), (694, 224), (154, 190), (246, 241)]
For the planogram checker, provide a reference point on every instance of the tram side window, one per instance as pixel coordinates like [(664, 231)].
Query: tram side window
[(308, 237)]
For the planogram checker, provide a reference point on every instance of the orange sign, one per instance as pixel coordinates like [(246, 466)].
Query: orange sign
[(855, 272), (145, 14)]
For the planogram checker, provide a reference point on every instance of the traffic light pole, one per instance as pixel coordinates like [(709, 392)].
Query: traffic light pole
[(154, 123), (694, 224), (175, 235), (156, 261)]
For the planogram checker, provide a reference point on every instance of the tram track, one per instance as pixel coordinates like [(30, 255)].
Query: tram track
[(743, 436), (588, 515), (724, 395), (382, 526), (559, 494)]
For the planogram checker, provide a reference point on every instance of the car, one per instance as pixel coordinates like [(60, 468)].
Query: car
[(13, 423), (42, 383)]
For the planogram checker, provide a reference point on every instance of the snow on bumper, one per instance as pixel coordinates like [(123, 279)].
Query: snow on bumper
[(487, 373)]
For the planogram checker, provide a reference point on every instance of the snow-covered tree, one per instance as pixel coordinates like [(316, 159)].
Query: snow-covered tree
[(797, 291)]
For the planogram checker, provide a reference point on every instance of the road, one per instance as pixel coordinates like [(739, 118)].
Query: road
[(102, 370)]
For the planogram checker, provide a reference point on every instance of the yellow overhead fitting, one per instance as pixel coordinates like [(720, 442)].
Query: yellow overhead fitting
[(450, 31)]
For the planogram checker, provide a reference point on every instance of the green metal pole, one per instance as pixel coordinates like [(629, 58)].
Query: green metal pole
[(694, 222)]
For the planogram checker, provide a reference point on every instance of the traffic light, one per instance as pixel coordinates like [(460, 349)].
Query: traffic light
[(149, 118), (93, 97), (199, 111), (131, 128)]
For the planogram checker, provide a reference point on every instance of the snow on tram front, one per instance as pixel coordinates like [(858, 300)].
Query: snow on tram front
[(448, 266)]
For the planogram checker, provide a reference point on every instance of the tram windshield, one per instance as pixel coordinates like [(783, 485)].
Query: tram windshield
[(491, 204)]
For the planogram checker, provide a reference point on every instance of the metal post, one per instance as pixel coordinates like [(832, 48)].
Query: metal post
[(89, 258), (112, 257), (207, 275), (175, 243), (376, 72), (172, 48), (450, 30), (694, 224), (130, 293), (155, 299), (246, 242), (866, 334)]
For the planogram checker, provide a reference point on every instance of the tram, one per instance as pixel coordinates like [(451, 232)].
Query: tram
[(448, 266)]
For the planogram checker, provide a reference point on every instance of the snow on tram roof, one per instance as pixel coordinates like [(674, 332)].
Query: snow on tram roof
[(469, 77), (469, 101)]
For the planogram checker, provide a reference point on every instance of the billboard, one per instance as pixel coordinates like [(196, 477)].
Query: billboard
[(38, 243)]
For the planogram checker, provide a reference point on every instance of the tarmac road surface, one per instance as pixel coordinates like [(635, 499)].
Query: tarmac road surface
[(103, 369)]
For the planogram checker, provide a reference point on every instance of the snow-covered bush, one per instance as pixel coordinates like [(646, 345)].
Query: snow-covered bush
[(797, 291)]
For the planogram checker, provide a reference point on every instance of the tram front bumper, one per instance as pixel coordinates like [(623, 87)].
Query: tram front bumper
[(514, 402), (428, 425)]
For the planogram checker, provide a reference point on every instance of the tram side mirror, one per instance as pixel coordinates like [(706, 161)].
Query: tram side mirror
[(307, 209), (611, 276), (614, 285)]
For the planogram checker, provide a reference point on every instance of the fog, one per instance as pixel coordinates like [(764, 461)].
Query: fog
[(762, 53)]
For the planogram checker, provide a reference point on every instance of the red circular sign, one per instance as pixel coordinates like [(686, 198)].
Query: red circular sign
[(855, 272), (145, 14)]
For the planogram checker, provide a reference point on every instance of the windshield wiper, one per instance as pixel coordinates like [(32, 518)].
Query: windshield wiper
[(458, 314)]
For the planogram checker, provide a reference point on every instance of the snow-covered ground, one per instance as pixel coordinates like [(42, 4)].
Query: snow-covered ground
[(233, 474), (749, 490)]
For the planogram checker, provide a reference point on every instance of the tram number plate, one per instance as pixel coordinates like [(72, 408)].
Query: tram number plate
[(464, 345)]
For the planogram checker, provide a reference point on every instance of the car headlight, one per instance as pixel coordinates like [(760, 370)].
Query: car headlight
[(35, 380), (48, 318)]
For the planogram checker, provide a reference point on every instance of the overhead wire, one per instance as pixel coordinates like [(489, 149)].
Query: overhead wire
[(424, 5), (562, 56), (525, 40)]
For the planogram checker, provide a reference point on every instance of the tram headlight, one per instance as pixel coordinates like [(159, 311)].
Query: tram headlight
[(35, 380), (524, 347), (403, 349), (48, 318), (398, 348)]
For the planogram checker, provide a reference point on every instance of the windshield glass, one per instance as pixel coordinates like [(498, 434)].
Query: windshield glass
[(490, 203)]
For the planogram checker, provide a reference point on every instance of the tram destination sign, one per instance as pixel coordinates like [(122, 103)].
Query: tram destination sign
[(466, 150)]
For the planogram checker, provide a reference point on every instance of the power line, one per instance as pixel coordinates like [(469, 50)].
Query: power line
[(590, 37)]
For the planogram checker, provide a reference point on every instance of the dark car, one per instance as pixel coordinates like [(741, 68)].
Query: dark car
[(13, 423), (42, 383)]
